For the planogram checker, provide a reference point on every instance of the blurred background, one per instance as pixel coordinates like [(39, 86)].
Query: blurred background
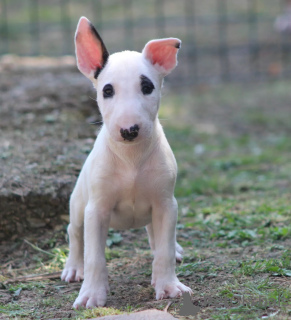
[(223, 40), (225, 108)]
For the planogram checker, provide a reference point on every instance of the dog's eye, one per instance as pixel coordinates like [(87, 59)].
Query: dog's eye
[(108, 91), (147, 86), (147, 89)]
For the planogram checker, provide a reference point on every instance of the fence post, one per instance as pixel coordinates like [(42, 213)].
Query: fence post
[(160, 18), (34, 27), (66, 27), (191, 53), (97, 13), (254, 48), (223, 43), (128, 24), (4, 28)]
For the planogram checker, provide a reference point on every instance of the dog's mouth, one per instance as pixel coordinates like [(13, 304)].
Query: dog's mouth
[(129, 134)]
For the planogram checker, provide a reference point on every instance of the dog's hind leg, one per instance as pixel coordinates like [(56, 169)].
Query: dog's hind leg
[(150, 231), (74, 268), (179, 252), (179, 249)]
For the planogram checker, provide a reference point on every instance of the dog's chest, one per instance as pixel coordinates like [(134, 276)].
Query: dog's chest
[(133, 200)]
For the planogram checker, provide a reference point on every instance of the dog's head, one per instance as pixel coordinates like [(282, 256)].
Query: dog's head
[(128, 83)]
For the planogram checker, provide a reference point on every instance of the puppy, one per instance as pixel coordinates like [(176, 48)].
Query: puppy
[(129, 177)]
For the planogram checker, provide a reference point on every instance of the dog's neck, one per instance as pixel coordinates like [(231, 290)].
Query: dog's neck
[(135, 153)]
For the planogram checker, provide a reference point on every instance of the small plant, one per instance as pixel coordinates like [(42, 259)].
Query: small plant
[(278, 233), (26, 286), (113, 238), (59, 258)]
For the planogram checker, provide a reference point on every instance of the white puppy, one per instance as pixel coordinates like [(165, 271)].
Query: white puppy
[(129, 177)]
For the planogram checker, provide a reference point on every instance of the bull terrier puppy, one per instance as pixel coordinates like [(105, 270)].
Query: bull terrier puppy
[(129, 177)]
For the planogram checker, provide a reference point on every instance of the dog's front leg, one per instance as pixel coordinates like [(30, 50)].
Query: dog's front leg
[(94, 289), (164, 279)]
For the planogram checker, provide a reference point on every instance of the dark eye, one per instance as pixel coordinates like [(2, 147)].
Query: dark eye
[(108, 91), (147, 89), (147, 86)]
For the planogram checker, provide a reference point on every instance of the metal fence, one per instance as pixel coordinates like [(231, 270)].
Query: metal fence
[(223, 40)]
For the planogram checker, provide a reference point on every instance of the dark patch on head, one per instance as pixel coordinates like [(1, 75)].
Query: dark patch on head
[(178, 45), (146, 84), (105, 53), (97, 71)]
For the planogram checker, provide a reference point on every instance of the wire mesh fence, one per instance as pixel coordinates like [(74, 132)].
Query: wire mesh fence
[(223, 40)]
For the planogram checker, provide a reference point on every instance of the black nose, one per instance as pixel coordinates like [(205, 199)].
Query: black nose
[(130, 134)]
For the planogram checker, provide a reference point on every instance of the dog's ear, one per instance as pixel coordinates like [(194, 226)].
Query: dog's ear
[(162, 53), (91, 52)]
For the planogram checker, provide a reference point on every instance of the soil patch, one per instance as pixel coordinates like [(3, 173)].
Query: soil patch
[(46, 134)]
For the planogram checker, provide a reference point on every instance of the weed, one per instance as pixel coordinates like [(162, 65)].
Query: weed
[(113, 238), (59, 259), (188, 269), (26, 286), (276, 267), (111, 254), (13, 310)]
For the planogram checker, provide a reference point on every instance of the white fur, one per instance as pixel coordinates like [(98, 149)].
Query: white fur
[(125, 184)]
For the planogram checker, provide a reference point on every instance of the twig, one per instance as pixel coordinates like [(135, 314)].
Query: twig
[(38, 249), (159, 301), (8, 263), (71, 288), (44, 276), (283, 279), (25, 268), (167, 306)]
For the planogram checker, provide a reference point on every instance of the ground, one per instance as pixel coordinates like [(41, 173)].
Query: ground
[(234, 185)]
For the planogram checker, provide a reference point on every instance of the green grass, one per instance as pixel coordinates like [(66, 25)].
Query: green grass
[(13, 310), (253, 297), (234, 189), (25, 286), (275, 267)]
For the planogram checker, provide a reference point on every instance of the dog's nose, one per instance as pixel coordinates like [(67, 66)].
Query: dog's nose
[(131, 133)]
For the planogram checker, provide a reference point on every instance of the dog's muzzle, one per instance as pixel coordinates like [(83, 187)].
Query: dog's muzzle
[(130, 134)]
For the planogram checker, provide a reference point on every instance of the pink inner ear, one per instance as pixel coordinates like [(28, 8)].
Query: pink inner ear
[(88, 48), (163, 52)]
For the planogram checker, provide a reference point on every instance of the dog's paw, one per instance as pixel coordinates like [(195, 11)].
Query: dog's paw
[(91, 296), (170, 289), (73, 272), (179, 252)]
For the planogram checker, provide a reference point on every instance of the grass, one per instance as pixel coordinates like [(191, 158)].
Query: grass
[(234, 187), (255, 296), (233, 151)]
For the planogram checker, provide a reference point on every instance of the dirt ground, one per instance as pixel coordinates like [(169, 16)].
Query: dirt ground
[(46, 134)]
